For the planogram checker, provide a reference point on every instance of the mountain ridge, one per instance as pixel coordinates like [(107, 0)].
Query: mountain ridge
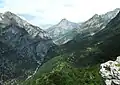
[(22, 52), (63, 32), (59, 30), (23, 47)]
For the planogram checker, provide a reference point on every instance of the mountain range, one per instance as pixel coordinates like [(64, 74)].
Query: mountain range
[(65, 30), (67, 53)]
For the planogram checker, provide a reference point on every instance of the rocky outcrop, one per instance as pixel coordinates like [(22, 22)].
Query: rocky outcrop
[(110, 71)]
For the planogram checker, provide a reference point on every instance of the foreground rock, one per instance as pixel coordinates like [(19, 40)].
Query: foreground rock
[(110, 71)]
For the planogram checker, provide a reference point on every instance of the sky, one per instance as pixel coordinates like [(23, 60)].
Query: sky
[(46, 12)]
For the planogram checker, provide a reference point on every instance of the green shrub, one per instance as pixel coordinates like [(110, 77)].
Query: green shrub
[(64, 74)]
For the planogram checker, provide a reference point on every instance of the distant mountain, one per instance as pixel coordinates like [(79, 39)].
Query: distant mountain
[(22, 47), (82, 56), (97, 22), (100, 47), (66, 30), (61, 32)]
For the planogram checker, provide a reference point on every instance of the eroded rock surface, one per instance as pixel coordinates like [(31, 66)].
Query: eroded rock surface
[(110, 71)]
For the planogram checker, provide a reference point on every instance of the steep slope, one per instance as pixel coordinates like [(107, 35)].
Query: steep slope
[(61, 32), (97, 22), (80, 58), (66, 31), (22, 47), (90, 50), (59, 72)]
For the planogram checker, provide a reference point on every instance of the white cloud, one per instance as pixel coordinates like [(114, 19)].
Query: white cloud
[(52, 11)]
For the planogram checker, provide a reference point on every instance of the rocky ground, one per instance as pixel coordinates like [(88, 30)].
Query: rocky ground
[(110, 71)]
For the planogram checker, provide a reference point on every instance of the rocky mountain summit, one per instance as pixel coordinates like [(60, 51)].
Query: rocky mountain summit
[(61, 28), (9, 18), (97, 22), (110, 71), (61, 32), (22, 46), (65, 30)]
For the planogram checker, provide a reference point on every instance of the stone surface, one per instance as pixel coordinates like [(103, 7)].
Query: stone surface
[(110, 71)]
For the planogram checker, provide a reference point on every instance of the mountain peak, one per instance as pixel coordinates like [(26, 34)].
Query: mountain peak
[(12, 18), (95, 15), (64, 20), (8, 13), (62, 32), (9, 18), (117, 9), (110, 14)]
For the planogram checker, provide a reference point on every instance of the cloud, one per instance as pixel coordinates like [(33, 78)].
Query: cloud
[(41, 12)]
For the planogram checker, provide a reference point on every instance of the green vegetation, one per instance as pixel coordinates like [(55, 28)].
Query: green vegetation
[(59, 72), (118, 65), (82, 56)]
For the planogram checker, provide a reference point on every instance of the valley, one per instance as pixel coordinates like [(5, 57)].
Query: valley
[(67, 53)]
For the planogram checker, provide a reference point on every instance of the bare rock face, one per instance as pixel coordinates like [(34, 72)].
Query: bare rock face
[(97, 22), (22, 46), (63, 32), (110, 71)]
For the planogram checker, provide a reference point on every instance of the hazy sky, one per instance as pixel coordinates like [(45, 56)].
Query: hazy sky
[(42, 12)]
